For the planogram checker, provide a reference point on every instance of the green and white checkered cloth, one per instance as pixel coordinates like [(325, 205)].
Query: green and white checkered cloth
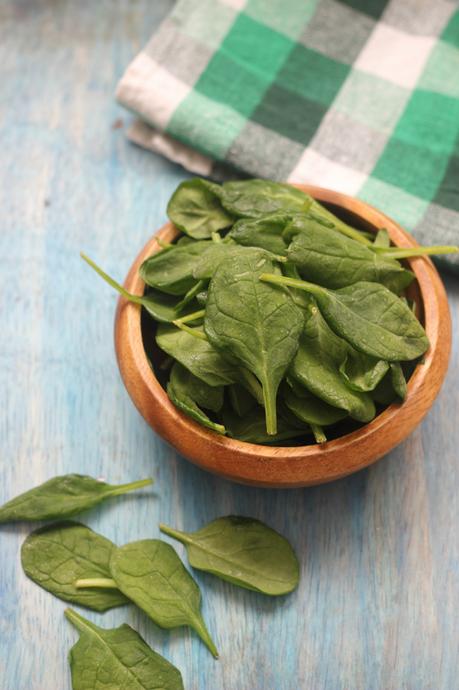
[(361, 96)]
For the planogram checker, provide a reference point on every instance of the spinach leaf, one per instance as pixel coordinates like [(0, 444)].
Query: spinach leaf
[(207, 264), (195, 209), (369, 316), (150, 573), (327, 258), (188, 393), (240, 399), (63, 497), (243, 551), (160, 306), (251, 428), (264, 232), (256, 198), (311, 409), (201, 298), (382, 238), (317, 363), (398, 380), (117, 658), (196, 355), (57, 555), (257, 328), (172, 271), (361, 372)]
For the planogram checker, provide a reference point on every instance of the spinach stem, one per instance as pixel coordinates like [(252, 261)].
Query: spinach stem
[(290, 282), (78, 621), (99, 582), (216, 237), (322, 214), (270, 412), (192, 331), (131, 486), (406, 252), (200, 628), (175, 534), (137, 299), (318, 433), (191, 317), (191, 294)]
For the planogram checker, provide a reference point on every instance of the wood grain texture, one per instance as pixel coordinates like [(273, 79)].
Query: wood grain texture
[(377, 604), (281, 467)]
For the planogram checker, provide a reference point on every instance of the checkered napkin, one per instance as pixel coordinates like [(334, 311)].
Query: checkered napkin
[(358, 95)]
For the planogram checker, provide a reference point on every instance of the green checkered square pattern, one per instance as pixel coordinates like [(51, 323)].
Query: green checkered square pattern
[(357, 95)]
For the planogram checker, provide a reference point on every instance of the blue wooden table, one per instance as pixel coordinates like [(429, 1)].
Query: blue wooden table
[(377, 607)]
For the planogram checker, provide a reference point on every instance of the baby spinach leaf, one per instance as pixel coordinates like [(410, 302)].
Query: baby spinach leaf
[(172, 271), (196, 355), (57, 555), (264, 232), (362, 372), (117, 658), (382, 238), (63, 497), (311, 409), (188, 393), (326, 217), (201, 298), (243, 551), (240, 399), (150, 573), (369, 316), (256, 198), (257, 328), (195, 209), (159, 305), (330, 259), (206, 265), (398, 379), (251, 428), (317, 364)]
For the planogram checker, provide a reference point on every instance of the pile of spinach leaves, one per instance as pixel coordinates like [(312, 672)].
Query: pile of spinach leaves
[(281, 323)]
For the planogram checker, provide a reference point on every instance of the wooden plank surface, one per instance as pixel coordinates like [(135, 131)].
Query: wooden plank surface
[(379, 594)]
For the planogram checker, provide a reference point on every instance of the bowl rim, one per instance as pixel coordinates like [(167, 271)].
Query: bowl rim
[(279, 466)]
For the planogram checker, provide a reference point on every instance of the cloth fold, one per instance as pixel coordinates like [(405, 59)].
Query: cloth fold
[(361, 96)]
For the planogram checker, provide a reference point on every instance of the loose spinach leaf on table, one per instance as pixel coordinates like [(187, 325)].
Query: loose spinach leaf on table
[(160, 306), (117, 658), (189, 394), (196, 355), (150, 573), (63, 497), (195, 209), (328, 258), (243, 551), (264, 232), (171, 270), (317, 363), (369, 316), (58, 554), (257, 328), (251, 428)]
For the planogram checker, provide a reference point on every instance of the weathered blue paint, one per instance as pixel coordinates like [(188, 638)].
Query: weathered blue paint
[(379, 594)]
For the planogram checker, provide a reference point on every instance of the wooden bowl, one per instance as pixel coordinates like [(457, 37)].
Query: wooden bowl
[(301, 465)]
